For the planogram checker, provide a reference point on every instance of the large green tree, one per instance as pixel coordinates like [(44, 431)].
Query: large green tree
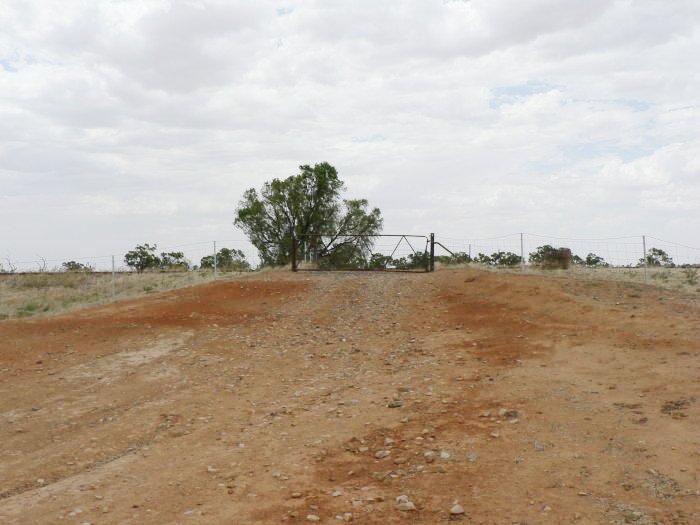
[(308, 206)]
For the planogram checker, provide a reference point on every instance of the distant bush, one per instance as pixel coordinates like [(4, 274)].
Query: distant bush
[(226, 260), (73, 266), (482, 258), (549, 257), (455, 258), (413, 261), (499, 258), (379, 262), (505, 259), (657, 257), (173, 261), (143, 257), (591, 261)]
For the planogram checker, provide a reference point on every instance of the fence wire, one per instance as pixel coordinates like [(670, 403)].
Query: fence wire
[(193, 253), (620, 252)]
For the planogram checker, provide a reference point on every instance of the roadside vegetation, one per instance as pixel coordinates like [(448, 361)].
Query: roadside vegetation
[(27, 295), (330, 233), (660, 270)]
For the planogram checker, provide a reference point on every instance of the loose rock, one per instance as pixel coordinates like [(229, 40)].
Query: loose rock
[(404, 504)]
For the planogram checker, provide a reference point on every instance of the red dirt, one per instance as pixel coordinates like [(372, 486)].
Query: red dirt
[(255, 400)]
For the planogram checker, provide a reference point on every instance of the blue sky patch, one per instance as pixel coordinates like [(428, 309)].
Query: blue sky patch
[(509, 94), (7, 64)]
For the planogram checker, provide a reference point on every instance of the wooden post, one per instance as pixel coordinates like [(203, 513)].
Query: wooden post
[(294, 253), (431, 264)]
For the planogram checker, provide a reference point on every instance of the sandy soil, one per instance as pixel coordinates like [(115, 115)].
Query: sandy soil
[(283, 398)]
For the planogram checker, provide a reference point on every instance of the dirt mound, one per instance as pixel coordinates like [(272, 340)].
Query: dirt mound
[(293, 397)]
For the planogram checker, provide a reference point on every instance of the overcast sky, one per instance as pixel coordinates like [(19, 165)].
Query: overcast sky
[(123, 122)]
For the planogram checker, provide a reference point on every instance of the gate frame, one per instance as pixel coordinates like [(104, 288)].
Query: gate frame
[(430, 267)]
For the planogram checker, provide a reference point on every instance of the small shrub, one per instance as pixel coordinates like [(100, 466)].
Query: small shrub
[(505, 259), (594, 261), (482, 258), (73, 266), (378, 261), (549, 257), (657, 257), (455, 258), (499, 258), (691, 276), (30, 309)]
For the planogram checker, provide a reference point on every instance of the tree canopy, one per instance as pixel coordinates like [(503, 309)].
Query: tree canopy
[(656, 257), (228, 259), (144, 257), (308, 206)]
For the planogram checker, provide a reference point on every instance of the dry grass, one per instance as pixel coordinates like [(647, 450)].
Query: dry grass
[(51, 293), (678, 279)]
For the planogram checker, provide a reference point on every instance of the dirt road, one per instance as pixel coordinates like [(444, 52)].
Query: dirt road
[(294, 398)]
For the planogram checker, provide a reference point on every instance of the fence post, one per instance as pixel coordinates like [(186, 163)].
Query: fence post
[(113, 277), (644, 247), (294, 253), (214, 259), (431, 264), (522, 253)]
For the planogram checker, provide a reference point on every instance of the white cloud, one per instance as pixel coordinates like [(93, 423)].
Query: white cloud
[(150, 118)]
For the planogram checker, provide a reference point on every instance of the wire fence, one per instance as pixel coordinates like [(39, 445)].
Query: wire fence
[(192, 255), (404, 252), (617, 252), (37, 285)]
